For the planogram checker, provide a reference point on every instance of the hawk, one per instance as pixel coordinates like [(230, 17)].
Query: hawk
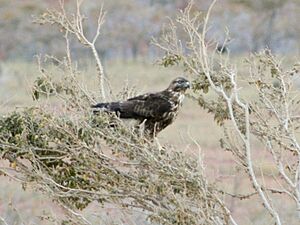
[(155, 110)]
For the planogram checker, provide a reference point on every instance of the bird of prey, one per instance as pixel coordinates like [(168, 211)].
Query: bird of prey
[(155, 110)]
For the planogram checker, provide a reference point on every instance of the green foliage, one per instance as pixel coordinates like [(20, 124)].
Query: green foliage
[(216, 106), (219, 77), (45, 86), (43, 140), (99, 158), (170, 60)]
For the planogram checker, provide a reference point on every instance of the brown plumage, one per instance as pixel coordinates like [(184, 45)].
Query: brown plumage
[(155, 110)]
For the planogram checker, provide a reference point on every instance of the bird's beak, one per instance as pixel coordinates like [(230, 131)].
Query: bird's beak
[(187, 85)]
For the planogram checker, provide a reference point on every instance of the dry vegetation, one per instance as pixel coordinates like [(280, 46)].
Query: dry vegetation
[(272, 118), (55, 146)]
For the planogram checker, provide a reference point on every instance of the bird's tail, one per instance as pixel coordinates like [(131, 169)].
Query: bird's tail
[(106, 107), (100, 105)]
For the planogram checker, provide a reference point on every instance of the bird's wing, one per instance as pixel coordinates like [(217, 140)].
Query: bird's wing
[(146, 106)]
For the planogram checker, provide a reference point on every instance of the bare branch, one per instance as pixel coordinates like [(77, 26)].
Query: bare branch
[(73, 24), (249, 120)]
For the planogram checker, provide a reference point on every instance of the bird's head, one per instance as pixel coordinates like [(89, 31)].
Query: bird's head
[(179, 84)]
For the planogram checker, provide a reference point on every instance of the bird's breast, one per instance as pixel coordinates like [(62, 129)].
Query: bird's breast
[(178, 98), (181, 98)]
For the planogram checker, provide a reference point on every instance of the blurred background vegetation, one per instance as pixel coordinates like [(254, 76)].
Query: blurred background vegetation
[(130, 25)]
